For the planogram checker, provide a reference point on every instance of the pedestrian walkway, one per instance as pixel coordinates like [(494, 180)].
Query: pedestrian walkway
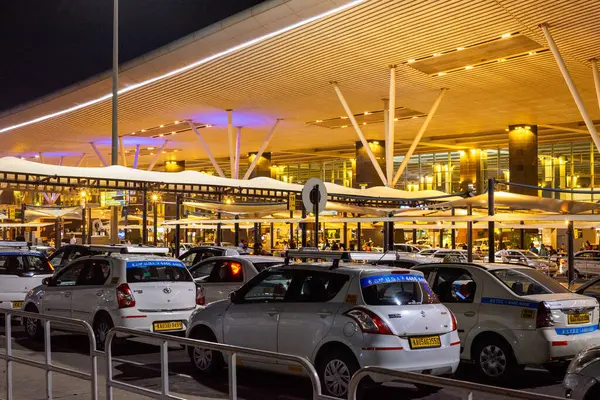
[(29, 383)]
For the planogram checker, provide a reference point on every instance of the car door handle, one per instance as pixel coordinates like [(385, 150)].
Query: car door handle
[(99, 292), (68, 294), (324, 314), (273, 312), (470, 314)]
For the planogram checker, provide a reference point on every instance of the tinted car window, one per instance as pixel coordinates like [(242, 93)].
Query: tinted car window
[(454, 285), (525, 282), (593, 290), (264, 265), (70, 275), (318, 286), (96, 273), (157, 271), (19, 264), (272, 287), (396, 289)]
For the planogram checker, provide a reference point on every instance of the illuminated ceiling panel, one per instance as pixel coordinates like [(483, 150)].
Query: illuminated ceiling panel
[(366, 118)]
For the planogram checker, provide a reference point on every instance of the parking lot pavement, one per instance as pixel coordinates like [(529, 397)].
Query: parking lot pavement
[(139, 364)]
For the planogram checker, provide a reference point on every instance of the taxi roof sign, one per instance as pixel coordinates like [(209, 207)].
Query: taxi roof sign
[(129, 249)]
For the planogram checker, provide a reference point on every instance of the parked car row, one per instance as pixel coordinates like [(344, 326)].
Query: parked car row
[(342, 311)]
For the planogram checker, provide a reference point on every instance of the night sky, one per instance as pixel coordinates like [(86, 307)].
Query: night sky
[(47, 45)]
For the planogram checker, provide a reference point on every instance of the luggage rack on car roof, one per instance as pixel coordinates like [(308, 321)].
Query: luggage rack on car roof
[(13, 244), (129, 249), (334, 256), (337, 256)]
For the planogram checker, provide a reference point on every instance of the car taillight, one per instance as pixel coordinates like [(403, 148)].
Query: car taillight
[(368, 321), (544, 317), (125, 296), (454, 324), (200, 296)]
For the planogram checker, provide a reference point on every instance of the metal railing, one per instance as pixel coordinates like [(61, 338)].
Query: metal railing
[(441, 382), (47, 364), (231, 351)]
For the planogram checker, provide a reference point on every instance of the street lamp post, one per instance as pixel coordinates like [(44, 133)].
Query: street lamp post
[(154, 199), (83, 196)]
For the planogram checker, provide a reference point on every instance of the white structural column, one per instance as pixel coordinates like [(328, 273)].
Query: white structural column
[(100, 156), (157, 155), (238, 141), (420, 134), (122, 151), (60, 161), (386, 125), (78, 163), (596, 78), (571, 85), (261, 150), (136, 158), (207, 149), (360, 134), (389, 138), (231, 141)]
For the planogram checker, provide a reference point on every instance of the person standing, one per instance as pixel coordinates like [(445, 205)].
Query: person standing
[(533, 249)]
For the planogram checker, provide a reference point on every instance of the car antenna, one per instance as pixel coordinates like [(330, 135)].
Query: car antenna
[(381, 258)]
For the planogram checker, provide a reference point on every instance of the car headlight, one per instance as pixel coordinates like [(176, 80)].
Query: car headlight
[(584, 359)]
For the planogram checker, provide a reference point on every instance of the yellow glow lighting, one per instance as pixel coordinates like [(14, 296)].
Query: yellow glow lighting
[(437, 54), (412, 60), (469, 67), (189, 66), (506, 35), (441, 74), (460, 48)]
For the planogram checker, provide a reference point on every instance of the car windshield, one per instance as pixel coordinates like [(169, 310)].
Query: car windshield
[(396, 289), (157, 271), (530, 254), (524, 282)]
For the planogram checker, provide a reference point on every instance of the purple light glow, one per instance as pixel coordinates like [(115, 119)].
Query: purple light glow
[(133, 140)]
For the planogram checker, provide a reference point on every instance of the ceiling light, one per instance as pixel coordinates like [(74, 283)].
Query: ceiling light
[(161, 135), (367, 113), (415, 117), (502, 60), (132, 133), (37, 156), (209, 126), (532, 53), (189, 66), (150, 148), (176, 122), (506, 35), (364, 123), (460, 48), (395, 119), (469, 67), (143, 130), (151, 154), (441, 73), (162, 126), (412, 60), (344, 117), (319, 120), (437, 54), (344, 126)]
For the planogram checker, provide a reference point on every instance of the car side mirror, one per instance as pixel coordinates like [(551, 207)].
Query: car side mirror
[(46, 281), (234, 297)]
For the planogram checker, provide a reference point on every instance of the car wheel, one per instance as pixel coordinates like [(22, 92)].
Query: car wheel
[(208, 362), (494, 359), (335, 371), (593, 393), (33, 327), (102, 325)]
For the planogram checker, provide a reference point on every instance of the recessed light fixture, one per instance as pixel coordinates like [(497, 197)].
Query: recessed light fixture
[(532, 53), (460, 48), (395, 119), (150, 148), (506, 35), (437, 54), (441, 73), (469, 67), (412, 60)]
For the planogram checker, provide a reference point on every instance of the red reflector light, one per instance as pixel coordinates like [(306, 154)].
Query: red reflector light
[(382, 348), (562, 343), (455, 343)]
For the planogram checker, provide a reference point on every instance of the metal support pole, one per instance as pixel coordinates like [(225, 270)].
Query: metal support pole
[(360, 134), (41, 157), (345, 235), (157, 155), (441, 232), (164, 367), (232, 371), (60, 161), (177, 227), (491, 224), (453, 232), (115, 86), (386, 125), (8, 340), (291, 229), (145, 218), (571, 252), (470, 235), (78, 163), (100, 156), (316, 213), (236, 231), (122, 151), (231, 142), (420, 134), (155, 223), (272, 236), (136, 157), (57, 233), (261, 150), (238, 141), (358, 237), (23, 208), (303, 227), (48, 358), (589, 123), (207, 149), (522, 236), (219, 234), (389, 140), (596, 75), (83, 223)]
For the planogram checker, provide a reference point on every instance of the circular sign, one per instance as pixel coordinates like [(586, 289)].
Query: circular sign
[(314, 192)]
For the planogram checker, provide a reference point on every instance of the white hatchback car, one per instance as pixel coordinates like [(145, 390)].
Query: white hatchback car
[(340, 318), (20, 270), (510, 316), (145, 292)]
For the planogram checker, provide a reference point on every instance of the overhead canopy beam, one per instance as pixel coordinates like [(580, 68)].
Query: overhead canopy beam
[(157, 155), (207, 149), (238, 141), (261, 150), (78, 163), (122, 151), (100, 156), (596, 78), (564, 128), (420, 134), (571, 85), (136, 158), (230, 141), (389, 140), (360, 133)]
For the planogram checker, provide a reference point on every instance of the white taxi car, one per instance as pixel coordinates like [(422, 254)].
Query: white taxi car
[(139, 291), (511, 316), (341, 318), (20, 270)]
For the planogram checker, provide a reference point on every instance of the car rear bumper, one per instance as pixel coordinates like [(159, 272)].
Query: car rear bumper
[(576, 386), (146, 321), (565, 347), (394, 352)]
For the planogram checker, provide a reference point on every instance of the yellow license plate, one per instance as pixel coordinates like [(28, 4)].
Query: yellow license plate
[(425, 342), (17, 304), (579, 318), (168, 326)]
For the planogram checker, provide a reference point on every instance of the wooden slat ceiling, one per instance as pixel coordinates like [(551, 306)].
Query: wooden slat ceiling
[(288, 77)]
